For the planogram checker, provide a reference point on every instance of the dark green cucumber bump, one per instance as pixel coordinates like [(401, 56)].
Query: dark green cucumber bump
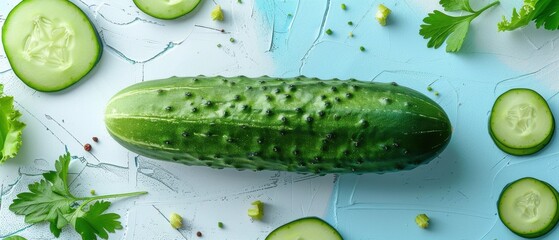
[(298, 124), (50, 44)]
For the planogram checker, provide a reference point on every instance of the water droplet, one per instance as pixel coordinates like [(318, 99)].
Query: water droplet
[(363, 123), (185, 134), (168, 108), (188, 94), (385, 101)]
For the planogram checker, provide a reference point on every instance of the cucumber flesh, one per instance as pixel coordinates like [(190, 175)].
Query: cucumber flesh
[(166, 9), (521, 122), (310, 228), (50, 44), (528, 207)]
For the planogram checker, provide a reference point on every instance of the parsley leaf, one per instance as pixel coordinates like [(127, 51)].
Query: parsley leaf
[(541, 11), (94, 222), (548, 14), (456, 5), (440, 27), (46, 197), (50, 200), (519, 19)]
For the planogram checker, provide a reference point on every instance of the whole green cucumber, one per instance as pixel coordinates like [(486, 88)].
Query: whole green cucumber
[(297, 124)]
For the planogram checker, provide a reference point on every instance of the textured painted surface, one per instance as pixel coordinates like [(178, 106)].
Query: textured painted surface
[(137, 48), (458, 190)]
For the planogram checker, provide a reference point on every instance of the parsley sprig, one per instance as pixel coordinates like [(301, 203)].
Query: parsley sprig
[(545, 13), (50, 200), (440, 27)]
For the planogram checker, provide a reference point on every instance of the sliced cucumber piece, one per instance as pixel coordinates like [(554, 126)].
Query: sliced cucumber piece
[(528, 207), (166, 9), (521, 122), (50, 44), (309, 228)]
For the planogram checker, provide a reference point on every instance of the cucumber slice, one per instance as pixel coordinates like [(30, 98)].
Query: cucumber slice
[(528, 207), (309, 228), (50, 44), (166, 9), (521, 122)]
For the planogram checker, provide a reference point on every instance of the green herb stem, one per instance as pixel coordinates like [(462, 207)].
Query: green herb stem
[(477, 13), (122, 195)]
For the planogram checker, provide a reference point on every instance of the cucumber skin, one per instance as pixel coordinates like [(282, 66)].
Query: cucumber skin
[(298, 124)]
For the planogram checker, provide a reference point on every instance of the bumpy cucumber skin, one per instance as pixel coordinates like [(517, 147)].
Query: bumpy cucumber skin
[(298, 124), (77, 79), (544, 231)]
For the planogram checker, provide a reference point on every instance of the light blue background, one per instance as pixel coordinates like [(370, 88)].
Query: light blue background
[(458, 190)]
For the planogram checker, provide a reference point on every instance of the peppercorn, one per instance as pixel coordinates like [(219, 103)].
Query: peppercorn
[(87, 147)]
